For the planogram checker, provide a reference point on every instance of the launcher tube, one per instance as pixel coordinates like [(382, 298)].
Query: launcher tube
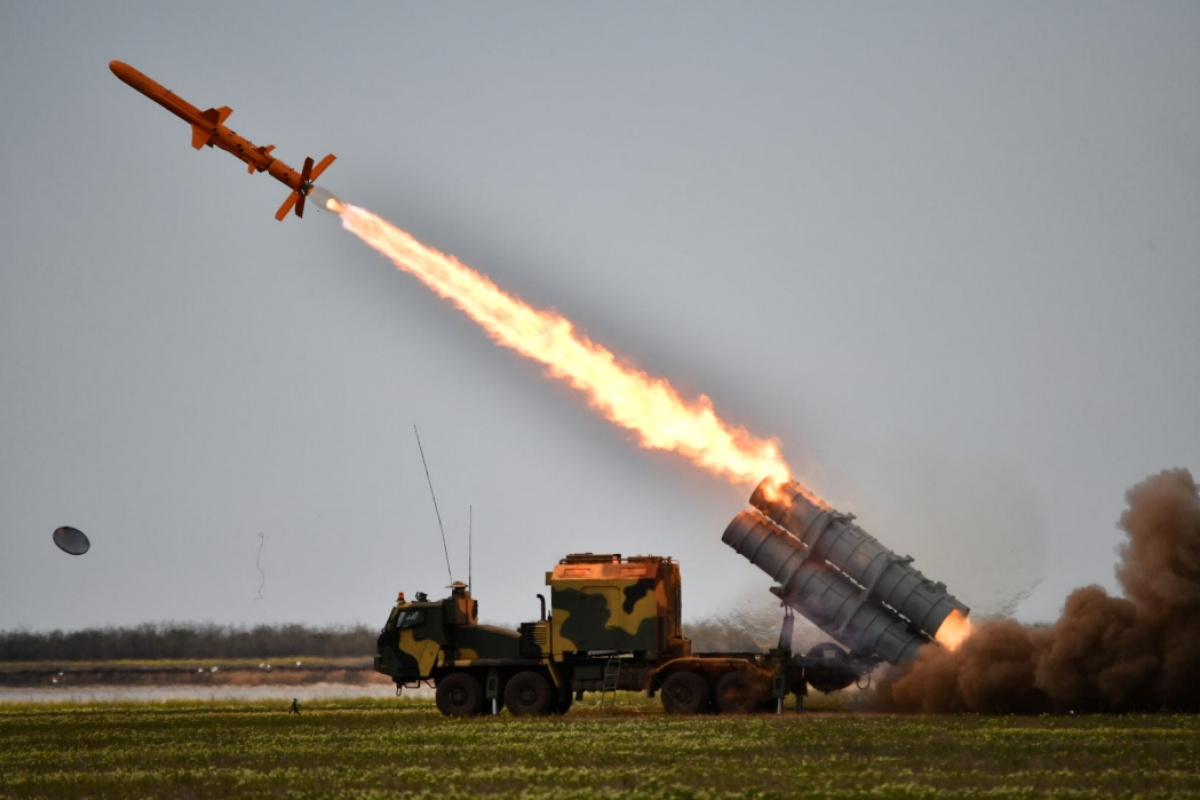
[(821, 593), (885, 577)]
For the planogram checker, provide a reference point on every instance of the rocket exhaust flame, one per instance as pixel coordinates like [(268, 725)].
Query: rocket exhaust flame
[(955, 630), (649, 407), (325, 199)]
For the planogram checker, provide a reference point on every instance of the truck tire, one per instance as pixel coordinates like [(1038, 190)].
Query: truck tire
[(529, 694), (685, 693), (738, 693), (460, 694)]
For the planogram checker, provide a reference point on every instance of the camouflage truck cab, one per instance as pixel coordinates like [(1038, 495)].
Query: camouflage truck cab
[(422, 637), (603, 603)]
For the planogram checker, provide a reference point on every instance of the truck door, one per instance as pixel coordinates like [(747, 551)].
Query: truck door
[(415, 640)]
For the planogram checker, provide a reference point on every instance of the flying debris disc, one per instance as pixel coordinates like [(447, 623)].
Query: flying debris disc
[(71, 540)]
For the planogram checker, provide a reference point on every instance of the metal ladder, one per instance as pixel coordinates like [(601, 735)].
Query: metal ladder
[(612, 678)]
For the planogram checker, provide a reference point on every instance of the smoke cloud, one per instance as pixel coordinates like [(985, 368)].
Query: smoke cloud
[(1140, 652)]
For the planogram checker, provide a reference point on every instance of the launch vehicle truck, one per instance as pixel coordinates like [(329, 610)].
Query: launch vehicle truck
[(615, 623)]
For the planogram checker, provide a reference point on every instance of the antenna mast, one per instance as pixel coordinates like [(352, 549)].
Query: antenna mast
[(425, 464)]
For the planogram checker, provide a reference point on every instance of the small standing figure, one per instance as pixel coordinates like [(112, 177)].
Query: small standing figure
[(295, 706)]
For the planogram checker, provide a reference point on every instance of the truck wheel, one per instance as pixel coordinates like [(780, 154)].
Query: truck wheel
[(459, 694), (738, 693), (528, 693), (685, 693)]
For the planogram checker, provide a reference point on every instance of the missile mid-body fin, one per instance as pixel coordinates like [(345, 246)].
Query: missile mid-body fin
[(201, 137), (215, 117)]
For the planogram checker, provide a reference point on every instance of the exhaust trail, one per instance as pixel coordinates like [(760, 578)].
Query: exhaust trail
[(628, 397)]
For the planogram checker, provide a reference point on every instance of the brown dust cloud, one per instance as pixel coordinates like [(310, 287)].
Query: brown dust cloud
[(1140, 652)]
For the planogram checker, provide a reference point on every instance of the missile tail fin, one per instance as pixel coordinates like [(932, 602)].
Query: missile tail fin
[(306, 179), (322, 165), (286, 208), (308, 175)]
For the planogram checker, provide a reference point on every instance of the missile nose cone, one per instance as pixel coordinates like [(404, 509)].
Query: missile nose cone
[(125, 72)]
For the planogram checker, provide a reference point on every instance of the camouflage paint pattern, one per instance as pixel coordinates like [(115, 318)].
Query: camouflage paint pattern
[(485, 642), (421, 637), (604, 602), (411, 640)]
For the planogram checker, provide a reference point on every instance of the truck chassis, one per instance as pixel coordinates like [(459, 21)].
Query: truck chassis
[(615, 625)]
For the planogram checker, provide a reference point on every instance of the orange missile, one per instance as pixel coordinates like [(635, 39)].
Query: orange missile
[(208, 128)]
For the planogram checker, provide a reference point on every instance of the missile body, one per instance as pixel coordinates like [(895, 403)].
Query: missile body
[(208, 128)]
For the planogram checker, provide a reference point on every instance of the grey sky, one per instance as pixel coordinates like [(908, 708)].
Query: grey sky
[(949, 254)]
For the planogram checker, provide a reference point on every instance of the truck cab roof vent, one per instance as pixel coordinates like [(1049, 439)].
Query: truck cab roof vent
[(592, 558)]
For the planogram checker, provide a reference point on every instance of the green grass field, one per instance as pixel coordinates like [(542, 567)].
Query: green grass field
[(405, 748)]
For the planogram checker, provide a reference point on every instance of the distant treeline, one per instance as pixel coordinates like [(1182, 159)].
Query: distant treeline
[(717, 635), (186, 641), (173, 640)]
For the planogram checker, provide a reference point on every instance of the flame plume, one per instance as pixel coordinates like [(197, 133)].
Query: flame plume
[(625, 395), (955, 630)]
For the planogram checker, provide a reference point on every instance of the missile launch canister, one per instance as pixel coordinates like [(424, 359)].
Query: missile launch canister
[(839, 576)]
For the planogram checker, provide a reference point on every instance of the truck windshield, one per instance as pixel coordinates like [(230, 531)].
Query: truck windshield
[(409, 619)]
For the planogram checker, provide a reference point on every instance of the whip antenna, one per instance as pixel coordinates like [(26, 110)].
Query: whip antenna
[(470, 526), (425, 464)]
